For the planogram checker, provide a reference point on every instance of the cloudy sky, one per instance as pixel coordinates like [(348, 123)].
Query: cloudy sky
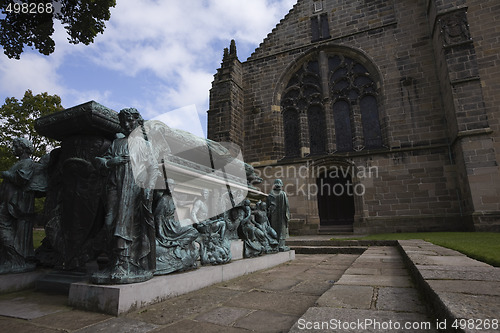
[(157, 56)]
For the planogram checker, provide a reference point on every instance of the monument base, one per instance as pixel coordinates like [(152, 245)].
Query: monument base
[(19, 281), (119, 299)]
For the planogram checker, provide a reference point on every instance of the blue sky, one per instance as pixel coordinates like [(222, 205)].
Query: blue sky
[(157, 56)]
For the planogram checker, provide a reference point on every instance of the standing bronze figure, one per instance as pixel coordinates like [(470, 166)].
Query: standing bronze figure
[(133, 171), (279, 213), (17, 202)]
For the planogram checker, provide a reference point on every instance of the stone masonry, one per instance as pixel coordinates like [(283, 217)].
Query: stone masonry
[(398, 97)]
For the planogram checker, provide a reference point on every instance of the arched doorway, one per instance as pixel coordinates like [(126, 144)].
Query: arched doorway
[(335, 202)]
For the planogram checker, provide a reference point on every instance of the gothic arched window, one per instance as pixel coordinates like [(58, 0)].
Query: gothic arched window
[(317, 129), (304, 95), (342, 119), (371, 123), (353, 93), (292, 129)]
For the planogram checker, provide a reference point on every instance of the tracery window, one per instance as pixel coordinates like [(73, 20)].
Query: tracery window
[(303, 100), (344, 118), (353, 94)]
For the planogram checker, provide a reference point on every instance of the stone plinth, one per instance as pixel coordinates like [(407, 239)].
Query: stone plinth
[(19, 281), (119, 299), (90, 118)]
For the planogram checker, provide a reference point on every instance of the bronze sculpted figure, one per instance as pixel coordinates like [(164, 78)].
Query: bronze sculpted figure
[(133, 171), (215, 247), (270, 243), (199, 213), (17, 199), (258, 235), (279, 213), (175, 246)]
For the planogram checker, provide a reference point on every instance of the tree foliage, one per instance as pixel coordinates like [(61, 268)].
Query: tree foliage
[(82, 19), (17, 119)]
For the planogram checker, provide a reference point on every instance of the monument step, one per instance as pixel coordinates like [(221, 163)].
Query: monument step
[(303, 232), (59, 282), (339, 243), (335, 230), (328, 249)]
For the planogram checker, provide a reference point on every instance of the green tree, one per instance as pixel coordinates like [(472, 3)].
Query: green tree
[(17, 119), (31, 23)]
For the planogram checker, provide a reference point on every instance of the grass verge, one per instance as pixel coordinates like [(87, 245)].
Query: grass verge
[(483, 246), (38, 235)]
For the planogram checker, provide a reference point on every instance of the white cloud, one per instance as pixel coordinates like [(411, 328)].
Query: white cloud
[(176, 44), (177, 40), (32, 72), (41, 73), (185, 118)]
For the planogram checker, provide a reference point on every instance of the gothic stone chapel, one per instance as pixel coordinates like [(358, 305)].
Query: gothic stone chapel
[(378, 115)]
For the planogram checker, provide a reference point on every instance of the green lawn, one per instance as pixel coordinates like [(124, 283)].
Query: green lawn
[(483, 246), (38, 235)]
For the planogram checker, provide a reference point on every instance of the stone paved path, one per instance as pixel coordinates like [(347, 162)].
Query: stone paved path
[(267, 301), (371, 292), (376, 294)]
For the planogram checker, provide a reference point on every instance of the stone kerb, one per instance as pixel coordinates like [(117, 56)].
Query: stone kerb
[(460, 289)]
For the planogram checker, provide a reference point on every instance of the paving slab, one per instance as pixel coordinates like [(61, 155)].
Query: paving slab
[(364, 271), (394, 271), (122, 325), (375, 280), (192, 326), (371, 255), (185, 306), (379, 265), (295, 304), (224, 316), (323, 272), (313, 287), (31, 305), (266, 321), (23, 326), (280, 284), (337, 259), (351, 297), (400, 299), (71, 320)]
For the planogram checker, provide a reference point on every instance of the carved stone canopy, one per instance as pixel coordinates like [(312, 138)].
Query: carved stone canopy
[(90, 118)]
